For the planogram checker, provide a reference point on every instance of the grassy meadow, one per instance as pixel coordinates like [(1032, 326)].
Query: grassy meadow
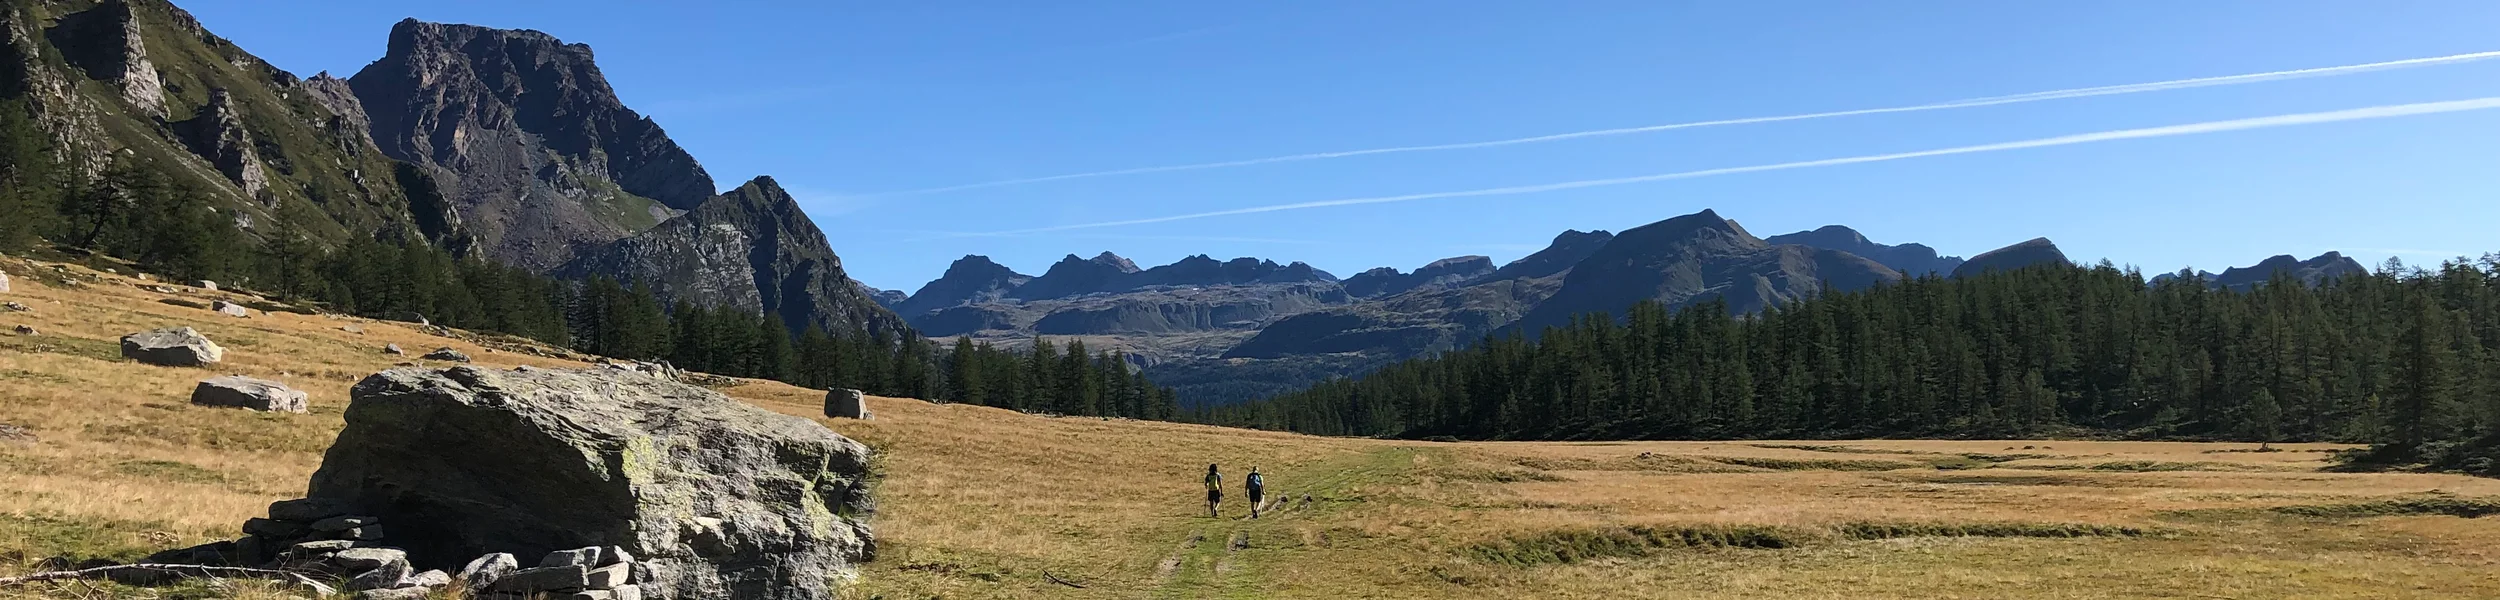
[(984, 503)]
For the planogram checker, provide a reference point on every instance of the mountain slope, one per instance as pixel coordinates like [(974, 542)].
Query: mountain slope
[(1693, 258), (139, 85), (1439, 274), (1912, 259), (529, 142), (751, 248)]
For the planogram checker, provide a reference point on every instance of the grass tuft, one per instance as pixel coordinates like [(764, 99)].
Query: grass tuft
[(1569, 546)]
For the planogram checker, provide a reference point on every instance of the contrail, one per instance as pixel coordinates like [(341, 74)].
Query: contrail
[(2356, 114), (2109, 90)]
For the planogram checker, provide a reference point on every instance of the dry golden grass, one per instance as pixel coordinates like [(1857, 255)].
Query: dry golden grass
[(984, 503)]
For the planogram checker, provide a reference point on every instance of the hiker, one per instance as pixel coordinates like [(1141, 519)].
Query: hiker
[(1215, 491), (1258, 491)]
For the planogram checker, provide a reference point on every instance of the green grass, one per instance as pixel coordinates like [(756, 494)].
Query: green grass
[(167, 470), (1578, 545)]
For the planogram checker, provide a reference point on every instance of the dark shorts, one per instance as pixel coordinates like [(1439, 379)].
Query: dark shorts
[(1215, 495), (1257, 494)]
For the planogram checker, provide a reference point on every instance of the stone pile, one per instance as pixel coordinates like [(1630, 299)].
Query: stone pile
[(589, 573)]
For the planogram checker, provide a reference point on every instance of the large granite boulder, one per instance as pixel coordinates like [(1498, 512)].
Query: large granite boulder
[(4, 282), (245, 392), (719, 499), (172, 347), (229, 309)]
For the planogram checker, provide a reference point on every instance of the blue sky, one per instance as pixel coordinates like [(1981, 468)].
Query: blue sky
[(849, 102)]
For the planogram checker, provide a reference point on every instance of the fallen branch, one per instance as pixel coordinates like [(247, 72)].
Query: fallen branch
[(1057, 580), (82, 575)]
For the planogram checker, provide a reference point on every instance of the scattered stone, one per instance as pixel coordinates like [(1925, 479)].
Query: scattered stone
[(566, 558), (15, 307), (352, 328), (432, 579), (486, 570), (27, 330), (229, 309), (15, 434), (464, 461), (393, 349), (306, 509), (205, 285), (172, 347), (256, 394), (846, 404), (446, 353), (543, 579)]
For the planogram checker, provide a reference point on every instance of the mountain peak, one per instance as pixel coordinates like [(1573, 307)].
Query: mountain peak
[(2034, 251), (1115, 261), (1567, 249), (1912, 259)]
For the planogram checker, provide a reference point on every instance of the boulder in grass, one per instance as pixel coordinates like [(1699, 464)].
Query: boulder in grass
[(846, 404), (4, 283), (26, 330), (172, 347), (229, 309), (245, 392), (485, 570), (205, 285), (393, 350), (446, 353), (708, 496)]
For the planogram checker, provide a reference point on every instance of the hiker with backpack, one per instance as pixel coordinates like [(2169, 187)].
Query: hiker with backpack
[(1215, 491), (1258, 491)]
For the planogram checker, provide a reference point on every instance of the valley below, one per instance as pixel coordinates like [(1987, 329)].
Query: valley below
[(105, 459)]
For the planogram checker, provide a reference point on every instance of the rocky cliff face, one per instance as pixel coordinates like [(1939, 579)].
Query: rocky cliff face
[(533, 148), (751, 248), (1912, 260), (2035, 251), (1073, 276), (1567, 249)]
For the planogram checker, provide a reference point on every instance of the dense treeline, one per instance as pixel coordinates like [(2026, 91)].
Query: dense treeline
[(2405, 358), (137, 214)]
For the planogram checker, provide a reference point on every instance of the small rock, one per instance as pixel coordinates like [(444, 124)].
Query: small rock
[(486, 570), (366, 533), (306, 509), (611, 555), (543, 579), (245, 392), (352, 328), (393, 349), (388, 575), (25, 330), (172, 347), (270, 528), (4, 283), (627, 592), (341, 523), (446, 353), (565, 558), (15, 307), (356, 560), (432, 579), (846, 404), (16, 434), (229, 309), (608, 577), (205, 285)]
